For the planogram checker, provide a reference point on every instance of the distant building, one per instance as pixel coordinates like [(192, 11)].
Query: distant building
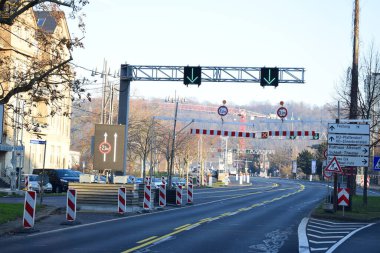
[(20, 43)]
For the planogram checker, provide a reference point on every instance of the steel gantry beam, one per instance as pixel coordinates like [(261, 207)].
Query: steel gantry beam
[(209, 74), (129, 73)]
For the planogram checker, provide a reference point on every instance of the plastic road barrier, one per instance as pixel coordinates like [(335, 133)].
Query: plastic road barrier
[(190, 193), (147, 197), (178, 198), (27, 183), (162, 194), (29, 209), (121, 203), (198, 181), (71, 208)]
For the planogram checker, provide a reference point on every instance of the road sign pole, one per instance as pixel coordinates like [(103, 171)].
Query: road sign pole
[(43, 176), (335, 197), (125, 85)]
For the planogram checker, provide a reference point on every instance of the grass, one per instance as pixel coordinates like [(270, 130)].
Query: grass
[(9, 212), (13, 211), (359, 211)]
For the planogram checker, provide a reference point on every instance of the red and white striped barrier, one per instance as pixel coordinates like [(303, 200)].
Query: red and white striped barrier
[(198, 181), (147, 180), (261, 135), (162, 193), (178, 196), (71, 208), (204, 180), (27, 183), (29, 209), (190, 193), (147, 197), (121, 200)]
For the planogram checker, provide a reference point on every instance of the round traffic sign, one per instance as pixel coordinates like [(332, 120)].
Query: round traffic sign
[(282, 112), (104, 147), (222, 110)]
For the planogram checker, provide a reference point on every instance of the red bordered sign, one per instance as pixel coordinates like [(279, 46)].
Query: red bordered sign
[(104, 147), (282, 112)]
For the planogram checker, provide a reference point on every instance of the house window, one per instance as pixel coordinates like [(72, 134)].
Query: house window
[(41, 21)]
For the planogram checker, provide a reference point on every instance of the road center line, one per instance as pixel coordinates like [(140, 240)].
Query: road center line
[(204, 220)]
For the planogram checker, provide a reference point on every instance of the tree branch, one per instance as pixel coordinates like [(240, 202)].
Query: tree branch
[(33, 81)]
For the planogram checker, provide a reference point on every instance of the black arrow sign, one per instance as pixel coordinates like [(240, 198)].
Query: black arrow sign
[(331, 138), (332, 128), (365, 150), (364, 161)]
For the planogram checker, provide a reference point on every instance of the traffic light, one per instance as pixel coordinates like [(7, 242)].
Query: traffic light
[(192, 75), (269, 77)]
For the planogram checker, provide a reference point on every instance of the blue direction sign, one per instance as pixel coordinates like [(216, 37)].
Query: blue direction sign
[(376, 163), (37, 142)]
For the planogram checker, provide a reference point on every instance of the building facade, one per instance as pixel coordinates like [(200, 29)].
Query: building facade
[(21, 45)]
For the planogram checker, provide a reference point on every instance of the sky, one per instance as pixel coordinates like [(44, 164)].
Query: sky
[(314, 34)]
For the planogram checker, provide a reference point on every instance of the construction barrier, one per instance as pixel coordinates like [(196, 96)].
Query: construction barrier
[(205, 180), (147, 197), (29, 209), (121, 200), (198, 181), (178, 199), (162, 193), (190, 193), (71, 208), (247, 178), (27, 183), (237, 177), (241, 179)]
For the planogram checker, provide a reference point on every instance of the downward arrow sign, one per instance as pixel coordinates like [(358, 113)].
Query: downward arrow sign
[(270, 80), (192, 80)]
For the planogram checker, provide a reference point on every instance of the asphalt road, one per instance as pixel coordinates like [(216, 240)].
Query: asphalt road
[(263, 217)]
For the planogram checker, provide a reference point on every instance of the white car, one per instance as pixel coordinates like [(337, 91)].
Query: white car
[(35, 181)]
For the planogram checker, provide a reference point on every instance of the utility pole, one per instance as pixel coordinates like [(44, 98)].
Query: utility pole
[(173, 144), (354, 89)]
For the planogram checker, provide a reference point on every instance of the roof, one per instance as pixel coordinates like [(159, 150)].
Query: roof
[(46, 21)]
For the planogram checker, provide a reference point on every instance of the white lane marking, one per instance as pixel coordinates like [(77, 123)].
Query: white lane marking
[(325, 232), (336, 226), (341, 228), (326, 237), (303, 243), (322, 242), (318, 249), (338, 223), (336, 245)]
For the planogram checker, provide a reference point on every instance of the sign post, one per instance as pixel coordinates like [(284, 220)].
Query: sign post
[(43, 166), (348, 146)]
